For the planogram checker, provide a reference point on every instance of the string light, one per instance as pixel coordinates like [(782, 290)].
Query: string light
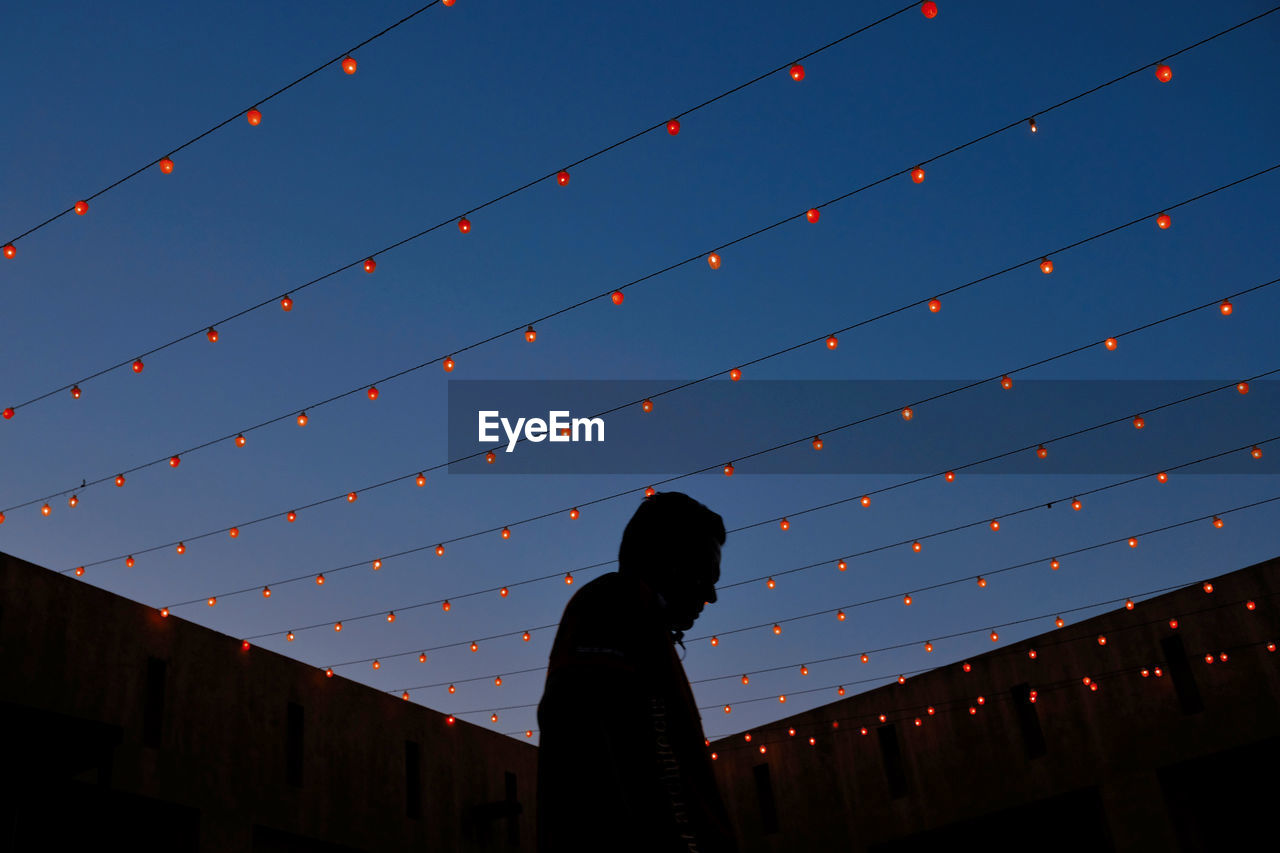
[(137, 365), (617, 297), (573, 514), (841, 565), (1162, 477), (1242, 387), (866, 501), (1006, 383), (1076, 504), (812, 214), (82, 207), (908, 414), (464, 225), (797, 72), (289, 636), (46, 510), (266, 592), (929, 9), (917, 175), (166, 165), (490, 457), (995, 524), (240, 442), (254, 117), (982, 582), (673, 127), (562, 178), (377, 564), (1164, 73), (119, 480), (1046, 266), (1133, 542), (286, 303), (212, 335), (735, 374), (530, 335), (233, 532), (935, 305), (348, 65), (1217, 522), (1163, 221), (1054, 564), (421, 480), (73, 500), (1031, 124), (915, 546), (447, 364), (568, 578), (302, 419), (1111, 344), (503, 592), (1226, 307), (1255, 452), (784, 524), (728, 470), (128, 561), (817, 442)]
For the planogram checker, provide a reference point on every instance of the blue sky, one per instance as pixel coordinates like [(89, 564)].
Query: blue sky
[(460, 105)]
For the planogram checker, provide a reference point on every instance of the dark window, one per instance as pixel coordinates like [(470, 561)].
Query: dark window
[(153, 703), (1028, 721), (1184, 680), (765, 800), (293, 746), (412, 780), (894, 772)]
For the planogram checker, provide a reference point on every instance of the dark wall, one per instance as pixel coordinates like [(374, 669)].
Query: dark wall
[(119, 724), (1155, 763)]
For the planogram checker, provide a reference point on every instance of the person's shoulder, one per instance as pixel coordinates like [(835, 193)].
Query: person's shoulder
[(617, 593)]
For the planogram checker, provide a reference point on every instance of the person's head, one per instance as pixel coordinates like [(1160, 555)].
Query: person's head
[(672, 543)]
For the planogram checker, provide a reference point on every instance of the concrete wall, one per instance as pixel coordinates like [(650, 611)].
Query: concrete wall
[(118, 724), (1141, 764)]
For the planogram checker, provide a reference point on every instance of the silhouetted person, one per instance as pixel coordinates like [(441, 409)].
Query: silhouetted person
[(623, 765)]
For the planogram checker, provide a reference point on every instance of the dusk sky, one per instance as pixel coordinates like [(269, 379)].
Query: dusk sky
[(464, 103)]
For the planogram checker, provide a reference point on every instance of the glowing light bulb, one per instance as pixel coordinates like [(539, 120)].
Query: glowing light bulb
[(728, 470), (240, 440), (1242, 387), (1111, 344), (1102, 639), (906, 599), (1139, 422), (713, 261), (1042, 452), (929, 9), (1054, 564), (864, 657), (302, 419), (1255, 452), (244, 645), (1128, 604), (320, 579), (784, 524), (797, 72), (1163, 221), (770, 583), (916, 546), (181, 548), (1006, 382), (73, 500), (841, 565), (1076, 505), (935, 305), (735, 374), (840, 615), (421, 480), (530, 334), (506, 533), (212, 335), (1217, 522), (82, 207), (950, 476), (289, 636), (464, 225), (745, 679), (1133, 542), (377, 664), (1164, 73), (928, 646), (647, 406), (445, 605), (1046, 266), (777, 629), (1031, 653), (812, 214), (348, 65), (817, 442), (266, 592), (832, 342), (1058, 622), (1031, 124), (673, 127), (137, 365), (617, 297), (286, 303), (475, 647), (994, 636), (1162, 477), (233, 532), (254, 117), (917, 175), (715, 641), (1226, 307), (491, 457), (422, 657), (46, 510), (447, 364), (568, 578), (650, 491), (213, 599), (866, 500), (164, 611), (119, 480), (75, 392), (982, 582), (908, 414), (902, 679), (562, 178), (525, 637), (166, 165), (128, 561)]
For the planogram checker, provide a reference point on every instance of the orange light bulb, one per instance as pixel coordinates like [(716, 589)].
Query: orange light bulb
[(832, 342), (166, 165), (348, 65), (728, 470), (935, 305), (1164, 73), (73, 500), (286, 304), (735, 374), (233, 532), (1111, 344), (530, 334), (302, 419), (797, 72), (1226, 307), (370, 265), (137, 365), (673, 127), (448, 364), (617, 297), (181, 548), (240, 440), (812, 214), (917, 175), (421, 480), (82, 207), (573, 514), (1163, 221), (128, 561), (908, 414), (784, 524), (464, 225), (562, 178), (1046, 266), (254, 117), (647, 406)]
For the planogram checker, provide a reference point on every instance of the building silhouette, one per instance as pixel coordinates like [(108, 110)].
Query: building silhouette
[(123, 727), (1072, 748)]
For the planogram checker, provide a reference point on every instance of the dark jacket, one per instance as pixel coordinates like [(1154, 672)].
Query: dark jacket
[(623, 764)]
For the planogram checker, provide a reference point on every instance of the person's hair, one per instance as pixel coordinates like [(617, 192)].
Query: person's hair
[(665, 526)]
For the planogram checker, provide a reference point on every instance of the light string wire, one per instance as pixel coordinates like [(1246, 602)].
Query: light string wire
[(590, 299)]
